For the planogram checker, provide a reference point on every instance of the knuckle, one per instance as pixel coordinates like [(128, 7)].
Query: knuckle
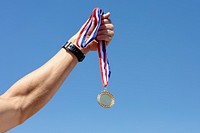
[(112, 27)]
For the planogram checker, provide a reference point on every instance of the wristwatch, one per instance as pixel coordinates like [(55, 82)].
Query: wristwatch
[(75, 50)]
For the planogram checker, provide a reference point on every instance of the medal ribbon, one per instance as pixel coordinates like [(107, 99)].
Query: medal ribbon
[(83, 43)]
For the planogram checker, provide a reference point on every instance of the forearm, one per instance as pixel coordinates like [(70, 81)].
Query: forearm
[(32, 92), (37, 88)]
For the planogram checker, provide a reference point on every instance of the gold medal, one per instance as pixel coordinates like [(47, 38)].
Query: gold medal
[(105, 99)]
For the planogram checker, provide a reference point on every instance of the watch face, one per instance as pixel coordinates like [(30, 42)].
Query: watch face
[(105, 99)]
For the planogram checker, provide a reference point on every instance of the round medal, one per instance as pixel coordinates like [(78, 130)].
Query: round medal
[(105, 99)]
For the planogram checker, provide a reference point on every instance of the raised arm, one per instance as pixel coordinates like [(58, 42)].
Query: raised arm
[(32, 92)]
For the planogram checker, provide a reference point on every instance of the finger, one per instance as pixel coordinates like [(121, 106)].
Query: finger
[(105, 16), (104, 38), (106, 21), (106, 27), (106, 32)]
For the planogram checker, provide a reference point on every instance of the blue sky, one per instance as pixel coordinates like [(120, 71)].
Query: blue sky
[(154, 57)]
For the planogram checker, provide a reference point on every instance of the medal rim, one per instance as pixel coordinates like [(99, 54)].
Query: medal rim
[(106, 92)]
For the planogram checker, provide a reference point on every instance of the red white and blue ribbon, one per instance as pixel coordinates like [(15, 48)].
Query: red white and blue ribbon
[(83, 42)]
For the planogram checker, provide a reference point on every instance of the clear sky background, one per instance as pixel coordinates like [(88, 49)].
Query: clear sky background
[(154, 57)]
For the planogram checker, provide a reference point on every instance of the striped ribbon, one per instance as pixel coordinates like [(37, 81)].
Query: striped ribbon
[(83, 43)]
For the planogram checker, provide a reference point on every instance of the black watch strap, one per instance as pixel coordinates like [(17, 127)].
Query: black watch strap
[(75, 50)]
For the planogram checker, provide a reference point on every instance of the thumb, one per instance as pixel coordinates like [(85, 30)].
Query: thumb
[(92, 27)]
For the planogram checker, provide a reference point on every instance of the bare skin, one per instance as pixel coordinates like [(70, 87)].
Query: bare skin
[(28, 95)]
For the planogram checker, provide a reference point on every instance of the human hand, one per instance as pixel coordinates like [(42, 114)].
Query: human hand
[(105, 33)]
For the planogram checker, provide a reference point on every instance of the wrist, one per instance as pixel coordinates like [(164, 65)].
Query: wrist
[(72, 48), (83, 50)]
